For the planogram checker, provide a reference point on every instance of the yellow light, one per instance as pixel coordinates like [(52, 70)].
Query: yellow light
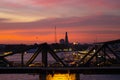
[(61, 77), (75, 43), (7, 53), (65, 49), (55, 50), (70, 49), (94, 50), (84, 52)]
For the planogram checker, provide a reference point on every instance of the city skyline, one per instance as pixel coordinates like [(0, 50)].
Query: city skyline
[(33, 21)]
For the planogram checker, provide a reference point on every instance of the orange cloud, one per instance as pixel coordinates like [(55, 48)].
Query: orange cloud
[(80, 29)]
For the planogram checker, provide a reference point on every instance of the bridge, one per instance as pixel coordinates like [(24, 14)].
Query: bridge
[(102, 58)]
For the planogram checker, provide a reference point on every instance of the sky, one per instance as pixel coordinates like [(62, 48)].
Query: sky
[(34, 21)]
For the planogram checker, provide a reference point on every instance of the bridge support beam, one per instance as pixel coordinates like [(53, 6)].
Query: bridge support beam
[(77, 76), (44, 55), (42, 76), (22, 59)]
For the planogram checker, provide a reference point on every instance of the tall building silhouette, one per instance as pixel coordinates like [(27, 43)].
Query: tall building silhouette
[(66, 38)]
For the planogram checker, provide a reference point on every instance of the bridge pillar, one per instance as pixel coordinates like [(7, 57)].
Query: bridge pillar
[(42, 76), (77, 76)]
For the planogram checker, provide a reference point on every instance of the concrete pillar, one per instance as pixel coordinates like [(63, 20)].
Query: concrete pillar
[(77, 76), (42, 76)]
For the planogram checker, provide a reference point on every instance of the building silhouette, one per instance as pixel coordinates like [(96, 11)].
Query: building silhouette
[(66, 38), (62, 41)]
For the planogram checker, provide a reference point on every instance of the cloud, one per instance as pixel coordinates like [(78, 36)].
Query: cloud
[(48, 3), (97, 21), (32, 17), (8, 3), (3, 19), (57, 8), (64, 4), (78, 3), (95, 32), (102, 20)]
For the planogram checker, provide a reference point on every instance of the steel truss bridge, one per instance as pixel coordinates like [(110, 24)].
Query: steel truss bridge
[(102, 58)]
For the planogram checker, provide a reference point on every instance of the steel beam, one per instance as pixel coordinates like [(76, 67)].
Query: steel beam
[(77, 70)]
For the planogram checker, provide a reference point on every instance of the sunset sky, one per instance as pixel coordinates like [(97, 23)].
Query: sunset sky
[(34, 21)]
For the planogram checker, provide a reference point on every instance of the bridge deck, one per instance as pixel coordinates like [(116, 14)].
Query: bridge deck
[(41, 70)]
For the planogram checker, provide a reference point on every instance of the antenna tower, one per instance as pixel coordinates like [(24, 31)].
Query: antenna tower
[(55, 35)]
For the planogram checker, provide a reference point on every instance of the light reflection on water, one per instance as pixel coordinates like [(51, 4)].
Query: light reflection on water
[(17, 57), (36, 77)]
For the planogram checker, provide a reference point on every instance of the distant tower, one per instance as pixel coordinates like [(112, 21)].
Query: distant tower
[(66, 38), (55, 35)]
